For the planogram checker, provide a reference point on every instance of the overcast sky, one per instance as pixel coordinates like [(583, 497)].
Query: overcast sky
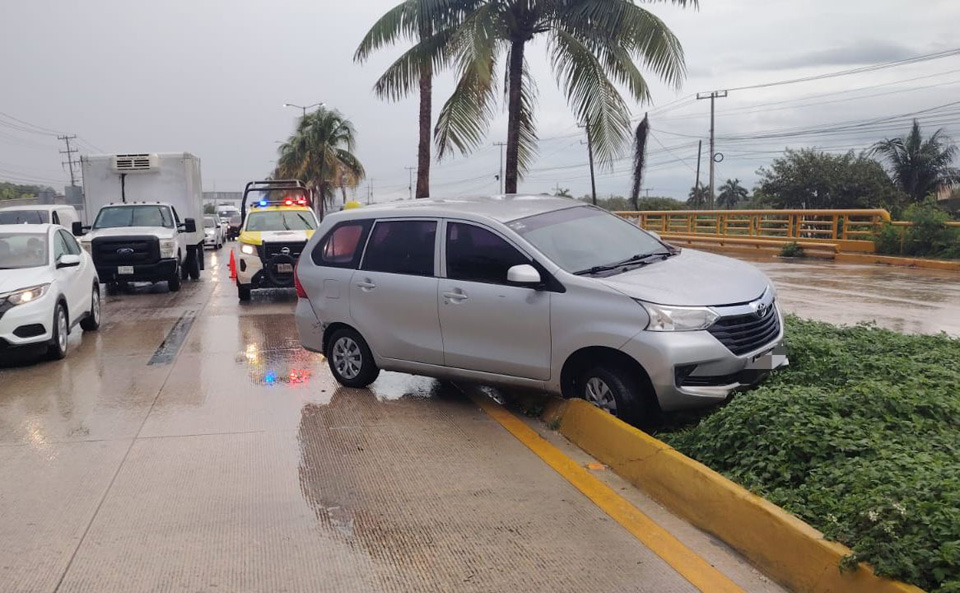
[(210, 77)]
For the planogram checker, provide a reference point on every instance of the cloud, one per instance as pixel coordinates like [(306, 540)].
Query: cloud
[(862, 52)]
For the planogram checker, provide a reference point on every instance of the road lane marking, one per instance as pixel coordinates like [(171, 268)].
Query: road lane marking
[(697, 571), (168, 349)]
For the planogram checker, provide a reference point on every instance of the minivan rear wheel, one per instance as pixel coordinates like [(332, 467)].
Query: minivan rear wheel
[(618, 391), (350, 359)]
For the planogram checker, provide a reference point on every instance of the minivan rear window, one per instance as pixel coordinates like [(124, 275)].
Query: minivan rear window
[(342, 246), (402, 247)]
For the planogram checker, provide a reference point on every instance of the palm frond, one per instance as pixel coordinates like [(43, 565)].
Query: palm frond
[(639, 158), (592, 96), (398, 22), (527, 148), (403, 76)]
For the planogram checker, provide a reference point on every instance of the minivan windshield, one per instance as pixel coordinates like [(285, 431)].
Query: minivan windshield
[(121, 216), (281, 220), (209, 222), (24, 216), (583, 238), (22, 250)]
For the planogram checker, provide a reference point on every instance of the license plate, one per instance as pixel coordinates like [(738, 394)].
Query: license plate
[(125, 270), (769, 360), (285, 268)]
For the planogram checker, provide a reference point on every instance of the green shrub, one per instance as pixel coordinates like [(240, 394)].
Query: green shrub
[(792, 249), (860, 437), (930, 236), (887, 240)]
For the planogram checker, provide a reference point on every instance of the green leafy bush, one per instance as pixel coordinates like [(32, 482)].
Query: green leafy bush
[(887, 240), (860, 437), (791, 249), (930, 236)]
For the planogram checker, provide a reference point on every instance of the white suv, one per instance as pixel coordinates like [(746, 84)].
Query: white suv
[(544, 293)]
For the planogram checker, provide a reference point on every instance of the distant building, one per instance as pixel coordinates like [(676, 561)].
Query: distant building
[(218, 197)]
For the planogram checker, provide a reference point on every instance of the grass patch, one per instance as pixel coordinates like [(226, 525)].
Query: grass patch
[(860, 437), (792, 249)]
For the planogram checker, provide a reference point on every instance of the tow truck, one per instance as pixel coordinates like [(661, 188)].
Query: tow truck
[(275, 228)]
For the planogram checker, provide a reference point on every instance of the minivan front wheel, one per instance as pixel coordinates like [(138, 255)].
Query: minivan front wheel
[(350, 359), (616, 390)]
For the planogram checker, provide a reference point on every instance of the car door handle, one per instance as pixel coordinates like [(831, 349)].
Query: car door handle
[(366, 285), (456, 296)]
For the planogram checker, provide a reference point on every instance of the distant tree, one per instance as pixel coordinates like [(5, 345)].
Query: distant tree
[(731, 194), (809, 178), (919, 166), (622, 204), (699, 197), (209, 208), (15, 191), (563, 192)]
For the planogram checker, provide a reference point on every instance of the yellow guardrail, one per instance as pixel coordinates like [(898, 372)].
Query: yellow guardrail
[(844, 230)]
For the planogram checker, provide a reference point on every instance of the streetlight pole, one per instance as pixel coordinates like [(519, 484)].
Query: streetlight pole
[(304, 108)]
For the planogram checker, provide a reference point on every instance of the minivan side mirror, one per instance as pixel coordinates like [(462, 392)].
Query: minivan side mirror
[(68, 260), (524, 274), (190, 225), (78, 229)]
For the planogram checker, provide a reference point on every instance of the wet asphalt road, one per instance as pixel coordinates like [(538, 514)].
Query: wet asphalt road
[(192, 445)]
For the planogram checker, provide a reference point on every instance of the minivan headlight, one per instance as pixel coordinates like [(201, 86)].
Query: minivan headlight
[(664, 318), (168, 248), (26, 295)]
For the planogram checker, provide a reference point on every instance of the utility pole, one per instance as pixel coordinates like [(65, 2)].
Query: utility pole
[(410, 187), (69, 152), (593, 181), (370, 191), (713, 96), (696, 187), (500, 177)]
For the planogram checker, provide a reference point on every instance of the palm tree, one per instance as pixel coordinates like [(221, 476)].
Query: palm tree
[(731, 193), (699, 195), (919, 167), (321, 154), (430, 24), (593, 45)]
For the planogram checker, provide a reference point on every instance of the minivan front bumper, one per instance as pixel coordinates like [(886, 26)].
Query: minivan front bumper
[(694, 369)]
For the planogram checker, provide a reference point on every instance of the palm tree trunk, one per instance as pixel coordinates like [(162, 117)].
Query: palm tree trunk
[(515, 79), (426, 117)]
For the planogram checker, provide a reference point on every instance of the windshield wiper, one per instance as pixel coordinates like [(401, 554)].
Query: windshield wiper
[(641, 259)]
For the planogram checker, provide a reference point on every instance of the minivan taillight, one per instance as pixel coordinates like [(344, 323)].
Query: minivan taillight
[(301, 293)]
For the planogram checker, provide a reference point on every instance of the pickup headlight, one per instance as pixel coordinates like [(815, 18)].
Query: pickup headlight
[(248, 249), (26, 295), (677, 319), (168, 248), (87, 246)]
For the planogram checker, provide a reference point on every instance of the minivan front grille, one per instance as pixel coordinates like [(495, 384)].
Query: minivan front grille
[(125, 251), (746, 333)]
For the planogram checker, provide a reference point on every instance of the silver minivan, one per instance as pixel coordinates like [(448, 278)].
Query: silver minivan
[(536, 292)]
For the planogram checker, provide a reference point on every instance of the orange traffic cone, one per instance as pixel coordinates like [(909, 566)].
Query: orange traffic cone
[(233, 266)]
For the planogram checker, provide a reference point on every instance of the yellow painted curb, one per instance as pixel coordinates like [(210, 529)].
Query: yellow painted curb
[(779, 544), (933, 264), (697, 571)]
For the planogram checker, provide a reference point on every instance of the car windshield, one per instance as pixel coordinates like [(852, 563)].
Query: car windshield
[(281, 220), (121, 216), (580, 238), (24, 217), (22, 250), (209, 222)]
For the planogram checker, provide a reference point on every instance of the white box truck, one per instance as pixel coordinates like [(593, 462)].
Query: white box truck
[(142, 212)]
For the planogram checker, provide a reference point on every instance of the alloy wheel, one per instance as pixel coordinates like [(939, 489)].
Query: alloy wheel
[(347, 358), (599, 394)]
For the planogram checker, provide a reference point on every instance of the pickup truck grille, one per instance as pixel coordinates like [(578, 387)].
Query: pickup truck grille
[(294, 249), (746, 333), (125, 251)]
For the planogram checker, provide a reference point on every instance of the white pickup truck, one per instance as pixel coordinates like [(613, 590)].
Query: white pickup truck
[(147, 208)]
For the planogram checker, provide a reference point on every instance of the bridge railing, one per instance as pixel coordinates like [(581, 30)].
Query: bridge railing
[(846, 230)]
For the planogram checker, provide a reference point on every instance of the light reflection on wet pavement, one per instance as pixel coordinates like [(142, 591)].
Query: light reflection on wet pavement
[(239, 464)]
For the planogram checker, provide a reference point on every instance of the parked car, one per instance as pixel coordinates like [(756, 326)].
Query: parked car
[(545, 293), (60, 214), (212, 232), (48, 285)]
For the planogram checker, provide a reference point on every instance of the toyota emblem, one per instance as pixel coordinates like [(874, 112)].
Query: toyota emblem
[(285, 251), (124, 251), (761, 310)]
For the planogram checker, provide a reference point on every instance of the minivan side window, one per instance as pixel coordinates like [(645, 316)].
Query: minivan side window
[(475, 254), (401, 247), (342, 246)]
